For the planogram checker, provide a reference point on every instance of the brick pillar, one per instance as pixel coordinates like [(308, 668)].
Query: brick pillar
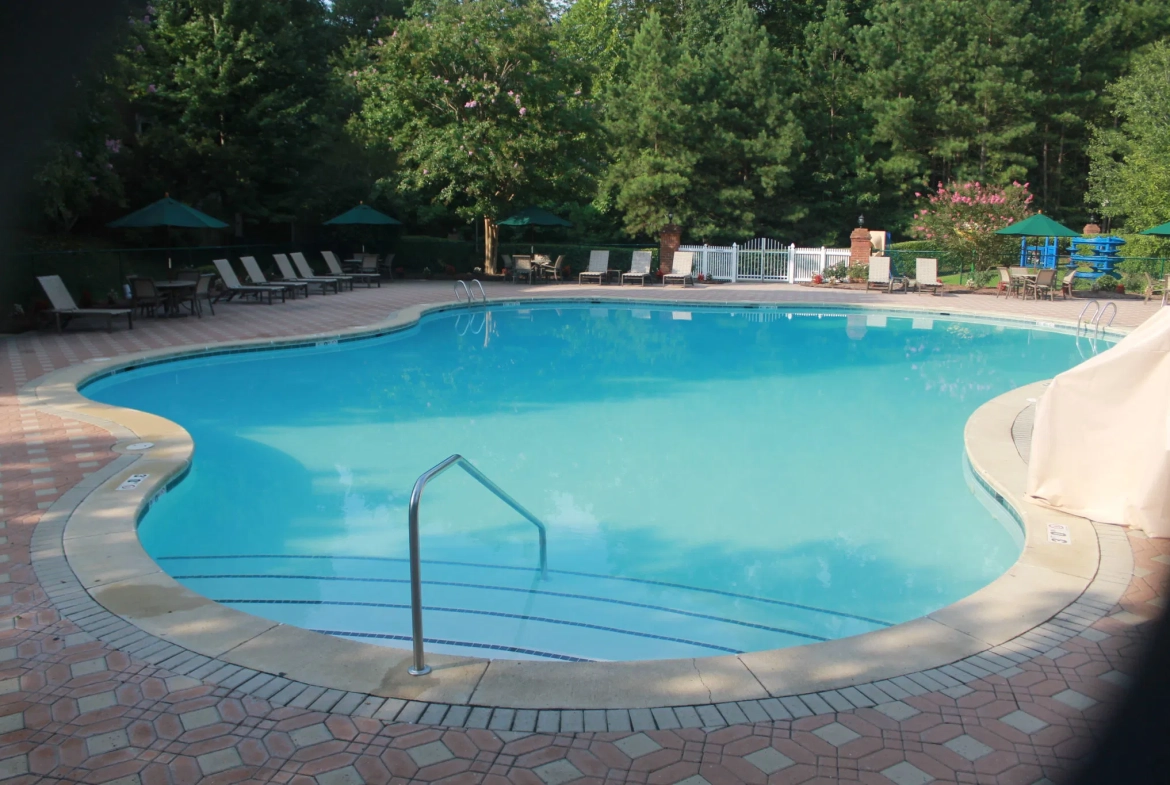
[(859, 246), (1091, 229), (668, 242)]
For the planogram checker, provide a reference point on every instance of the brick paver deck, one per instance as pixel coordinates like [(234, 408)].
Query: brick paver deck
[(74, 709)]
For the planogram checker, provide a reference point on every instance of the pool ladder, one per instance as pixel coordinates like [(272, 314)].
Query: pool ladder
[(467, 292), (1093, 321), (420, 668)]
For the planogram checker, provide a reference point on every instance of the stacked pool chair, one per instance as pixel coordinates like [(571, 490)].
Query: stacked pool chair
[(1101, 252)]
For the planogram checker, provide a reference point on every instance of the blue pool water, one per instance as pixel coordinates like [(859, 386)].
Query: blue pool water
[(713, 480)]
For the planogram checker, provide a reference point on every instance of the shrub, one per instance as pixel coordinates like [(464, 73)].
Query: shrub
[(963, 218)]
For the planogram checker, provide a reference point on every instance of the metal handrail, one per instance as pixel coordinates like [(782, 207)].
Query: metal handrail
[(1081, 316), (420, 667), (1101, 314), (482, 293), (466, 290)]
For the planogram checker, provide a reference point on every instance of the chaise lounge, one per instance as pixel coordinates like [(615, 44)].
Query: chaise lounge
[(64, 308)]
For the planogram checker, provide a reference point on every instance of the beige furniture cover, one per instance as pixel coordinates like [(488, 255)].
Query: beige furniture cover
[(1101, 444)]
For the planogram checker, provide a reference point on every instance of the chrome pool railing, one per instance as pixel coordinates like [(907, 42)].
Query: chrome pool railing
[(420, 668), (467, 292)]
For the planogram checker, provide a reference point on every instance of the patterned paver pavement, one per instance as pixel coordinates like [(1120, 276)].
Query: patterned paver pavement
[(73, 709)]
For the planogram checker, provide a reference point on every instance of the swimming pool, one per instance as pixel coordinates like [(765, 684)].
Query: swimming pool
[(714, 480)]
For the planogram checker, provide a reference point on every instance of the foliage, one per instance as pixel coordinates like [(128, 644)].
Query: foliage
[(1130, 174), (963, 217), (475, 104), (701, 131)]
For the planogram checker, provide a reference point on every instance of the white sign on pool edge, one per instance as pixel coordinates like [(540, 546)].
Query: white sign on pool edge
[(1058, 533), (132, 482)]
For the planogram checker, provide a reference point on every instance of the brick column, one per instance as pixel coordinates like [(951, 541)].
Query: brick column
[(1091, 229), (668, 242), (859, 246)]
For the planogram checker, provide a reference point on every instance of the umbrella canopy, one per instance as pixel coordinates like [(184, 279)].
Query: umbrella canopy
[(167, 212), (533, 216), (1038, 225), (1161, 230), (365, 215)]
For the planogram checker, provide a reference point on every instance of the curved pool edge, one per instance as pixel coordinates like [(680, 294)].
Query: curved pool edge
[(87, 548)]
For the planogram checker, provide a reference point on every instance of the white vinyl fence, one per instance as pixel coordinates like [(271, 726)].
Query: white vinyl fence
[(764, 260)]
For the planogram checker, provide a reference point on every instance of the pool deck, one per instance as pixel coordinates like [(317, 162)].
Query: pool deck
[(81, 698)]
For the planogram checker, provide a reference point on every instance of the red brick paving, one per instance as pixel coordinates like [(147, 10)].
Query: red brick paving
[(72, 710)]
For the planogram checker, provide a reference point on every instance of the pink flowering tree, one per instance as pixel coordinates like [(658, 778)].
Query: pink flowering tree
[(962, 218)]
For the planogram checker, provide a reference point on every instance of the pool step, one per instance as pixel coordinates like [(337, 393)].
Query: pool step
[(509, 611)]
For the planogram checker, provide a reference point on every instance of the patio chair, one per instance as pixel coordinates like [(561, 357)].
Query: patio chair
[(144, 295), (287, 275), (1066, 284), (926, 275), (1005, 282), (233, 287), (598, 267), (680, 270), (1043, 285), (522, 266), (305, 272), (335, 270), (1153, 287), (65, 309), (549, 270), (370, 266), (879, 275), (639, 268), (202, 290), (256, 276), (386, 266)]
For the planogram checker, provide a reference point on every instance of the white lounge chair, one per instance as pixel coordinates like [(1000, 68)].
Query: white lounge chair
[(233, 287), (369, 278), (256, 276), (65, 309), (680, 270), (639, 268), (287, 274), (305, 272), (926, 275), (598, 267), (879, 275)]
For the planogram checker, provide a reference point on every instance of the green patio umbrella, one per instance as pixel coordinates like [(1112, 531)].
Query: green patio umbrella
[(363, 215), (1038, 225), (1161, 230), (167, 212), (533, 216)]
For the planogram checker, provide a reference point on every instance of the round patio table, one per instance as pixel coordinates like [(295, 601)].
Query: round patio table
[(172, 289)]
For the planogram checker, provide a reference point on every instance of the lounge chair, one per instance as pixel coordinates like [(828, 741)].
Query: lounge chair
[(1043, 285), (926, 275), (202, 289), (639, 268), (256, 276), (65, 309), (287, 275), (1066, 284), (233, 287), (305, 272), (879, 275), (598, 267), (335, 270), (680, 270)]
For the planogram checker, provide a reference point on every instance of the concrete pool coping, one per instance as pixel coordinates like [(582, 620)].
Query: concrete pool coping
[(89, 536)]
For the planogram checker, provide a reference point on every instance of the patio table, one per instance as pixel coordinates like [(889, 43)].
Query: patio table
[(172, 290)]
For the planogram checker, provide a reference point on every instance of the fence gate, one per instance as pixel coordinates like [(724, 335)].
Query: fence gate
[(764, 259)]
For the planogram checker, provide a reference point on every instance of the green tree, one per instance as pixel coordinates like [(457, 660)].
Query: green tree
[(1130, 174), (479, 109), (234, 103), (702, 131), (589, 33)]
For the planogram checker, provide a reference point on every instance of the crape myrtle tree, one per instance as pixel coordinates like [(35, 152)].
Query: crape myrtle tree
[(701, 128), (479, 109), (962, 218)]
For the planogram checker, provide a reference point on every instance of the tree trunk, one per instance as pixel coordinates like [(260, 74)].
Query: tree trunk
[(491, 238)]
